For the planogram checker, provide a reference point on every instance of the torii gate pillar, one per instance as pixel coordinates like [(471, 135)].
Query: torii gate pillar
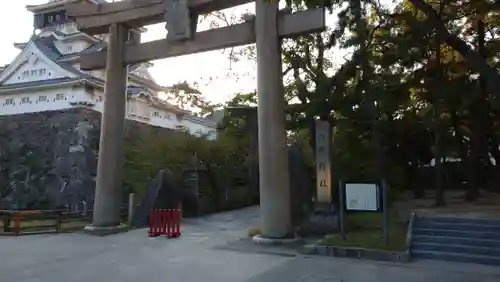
[(108, 194), (273, 158)]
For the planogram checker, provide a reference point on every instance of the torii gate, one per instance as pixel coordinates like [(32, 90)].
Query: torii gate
[(266, 29)]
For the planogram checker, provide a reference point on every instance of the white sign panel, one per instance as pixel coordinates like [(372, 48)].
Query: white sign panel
[(323, 164), (361, 197)]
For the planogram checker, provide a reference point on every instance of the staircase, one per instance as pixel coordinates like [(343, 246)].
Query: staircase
[(456, 239)]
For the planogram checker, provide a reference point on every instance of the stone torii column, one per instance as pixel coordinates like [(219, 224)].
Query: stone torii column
[(274, 180), (106, 217)]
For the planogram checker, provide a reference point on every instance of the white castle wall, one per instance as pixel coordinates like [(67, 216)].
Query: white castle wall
[(39, 101), (63, 97)]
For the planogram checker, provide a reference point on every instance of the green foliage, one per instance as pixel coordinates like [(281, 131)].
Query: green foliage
[(188, 97), (420, 82), (223, 160)]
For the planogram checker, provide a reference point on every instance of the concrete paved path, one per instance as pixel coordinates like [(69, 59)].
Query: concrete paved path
[(320, 269), (199, 255)]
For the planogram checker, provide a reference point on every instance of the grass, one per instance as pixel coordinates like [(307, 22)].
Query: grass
[(253, 231), (365, 230)]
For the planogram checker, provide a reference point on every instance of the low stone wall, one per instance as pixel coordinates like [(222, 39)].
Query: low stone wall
[(359, 253), (49, 159), (409, 233)]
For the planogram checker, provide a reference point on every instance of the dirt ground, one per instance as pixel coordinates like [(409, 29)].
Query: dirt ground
[(486, 206)]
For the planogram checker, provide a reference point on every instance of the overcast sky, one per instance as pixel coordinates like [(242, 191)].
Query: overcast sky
[(217, 78)]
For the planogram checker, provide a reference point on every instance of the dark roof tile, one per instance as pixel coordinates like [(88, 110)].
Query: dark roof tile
[(46, 45), (37, 83)]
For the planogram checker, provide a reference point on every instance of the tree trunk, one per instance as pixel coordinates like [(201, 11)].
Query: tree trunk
[(418, 192), (463, 152), (480, 117), (312, 136), (438, 132), (495, 153)]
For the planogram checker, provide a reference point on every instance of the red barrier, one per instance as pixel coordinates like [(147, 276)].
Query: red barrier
[(165, 222)]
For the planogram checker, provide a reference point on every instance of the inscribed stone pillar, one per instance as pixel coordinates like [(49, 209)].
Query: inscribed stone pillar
[(273, 159), (108, 191), (323, 162), (324, 219)]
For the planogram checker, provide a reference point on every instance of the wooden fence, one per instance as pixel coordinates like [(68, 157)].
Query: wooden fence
[(46, 221)]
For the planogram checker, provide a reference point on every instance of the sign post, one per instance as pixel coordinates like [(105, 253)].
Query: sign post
[(364, 197), (386, 211), (342, 209)]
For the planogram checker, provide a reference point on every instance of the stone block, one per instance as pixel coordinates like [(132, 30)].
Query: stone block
[(59, 150), (323, 221), (358, 253)]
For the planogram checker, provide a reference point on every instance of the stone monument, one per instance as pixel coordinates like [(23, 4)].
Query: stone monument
[(161, 194), (324, 219)]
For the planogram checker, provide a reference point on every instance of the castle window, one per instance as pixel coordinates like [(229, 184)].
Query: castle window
[(69, 49), (42, 72), (26, 74), (59, 97), (9, 101), (131, 107), (42, 98), (25, 100), (33, 73), (156, 114)]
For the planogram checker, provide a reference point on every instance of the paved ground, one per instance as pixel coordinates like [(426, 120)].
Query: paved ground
[(201, 254)]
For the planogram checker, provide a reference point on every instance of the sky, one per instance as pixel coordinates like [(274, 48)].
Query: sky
[(217, 78)]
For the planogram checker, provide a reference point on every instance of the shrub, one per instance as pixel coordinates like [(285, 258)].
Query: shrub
[(221, 162)]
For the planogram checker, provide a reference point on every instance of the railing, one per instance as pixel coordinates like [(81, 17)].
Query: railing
[(46, 221), (165, 222)]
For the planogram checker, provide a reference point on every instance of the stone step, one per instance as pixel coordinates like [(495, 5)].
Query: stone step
[(457, 226), (455, 241), (458, 220), (457, 233), (457, 257), (459, 249)]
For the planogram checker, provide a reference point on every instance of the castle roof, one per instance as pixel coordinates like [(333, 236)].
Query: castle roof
[(44, 45), (71, 75)]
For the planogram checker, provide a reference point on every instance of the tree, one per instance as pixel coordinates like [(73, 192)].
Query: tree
[(189, 98), (417, 85)]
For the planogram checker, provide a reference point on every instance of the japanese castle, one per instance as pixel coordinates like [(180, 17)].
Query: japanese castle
[(45, 76)]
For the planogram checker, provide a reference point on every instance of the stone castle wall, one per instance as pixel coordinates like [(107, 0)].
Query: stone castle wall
[(49, 159)]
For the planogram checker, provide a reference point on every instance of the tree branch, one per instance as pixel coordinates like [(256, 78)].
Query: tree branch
[(301, 86), (473, 58)]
